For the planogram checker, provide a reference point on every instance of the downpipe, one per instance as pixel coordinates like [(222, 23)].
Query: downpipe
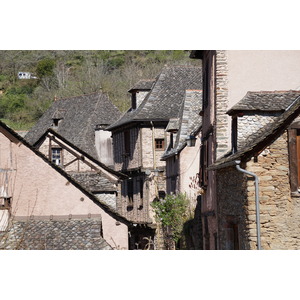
[(256, 201)]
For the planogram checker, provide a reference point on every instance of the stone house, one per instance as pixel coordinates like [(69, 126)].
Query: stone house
[(227, 77), (182, 160), (43, 207), (140, 139), (82, 121), (263, 212), (182, 153)]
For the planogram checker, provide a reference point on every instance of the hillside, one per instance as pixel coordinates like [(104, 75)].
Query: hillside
[(67, 73)]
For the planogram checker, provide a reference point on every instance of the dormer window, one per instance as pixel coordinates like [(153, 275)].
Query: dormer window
[(133, 100), (234, 134), (55, 122)]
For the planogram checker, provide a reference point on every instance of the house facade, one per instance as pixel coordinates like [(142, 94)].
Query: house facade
[(227, 77), (34, 189), (263, 210), (140, 139)]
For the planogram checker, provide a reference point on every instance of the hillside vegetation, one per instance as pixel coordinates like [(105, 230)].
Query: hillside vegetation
[(67, 73)]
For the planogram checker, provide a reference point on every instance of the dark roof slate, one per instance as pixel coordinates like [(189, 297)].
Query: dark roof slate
[(71, 234), (94, 182), (265, 101), (165, 98), (189, 121), (143, 85), (79, 115), (265, 136)]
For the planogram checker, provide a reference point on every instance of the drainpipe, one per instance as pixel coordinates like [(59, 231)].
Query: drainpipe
[(256, 201)]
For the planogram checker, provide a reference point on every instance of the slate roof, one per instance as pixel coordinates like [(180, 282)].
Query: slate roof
[(265, 136), (79, 117), (82, 234), (264, 101), (94, 182), (166, 96), (189, 121), (143, 85)]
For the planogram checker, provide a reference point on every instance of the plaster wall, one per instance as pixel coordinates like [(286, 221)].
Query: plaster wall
[(40, 190), (261, 70)]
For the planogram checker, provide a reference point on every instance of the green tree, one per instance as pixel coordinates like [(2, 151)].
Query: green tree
[(171, 213)]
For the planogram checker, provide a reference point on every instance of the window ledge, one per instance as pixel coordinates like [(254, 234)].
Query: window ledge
[(295, 194)]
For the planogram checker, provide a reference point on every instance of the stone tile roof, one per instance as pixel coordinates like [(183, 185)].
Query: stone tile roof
[(143, 85), (264, 101), (94, 182), (264, 136), (173, 125), (79, 117), (189, 121), (166, 96), (82, 234)]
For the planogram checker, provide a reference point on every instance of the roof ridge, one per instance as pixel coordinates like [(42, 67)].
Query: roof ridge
[(89, 94), (274, 92)]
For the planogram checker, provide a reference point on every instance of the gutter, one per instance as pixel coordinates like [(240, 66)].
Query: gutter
[(236, 163), (256, 201)]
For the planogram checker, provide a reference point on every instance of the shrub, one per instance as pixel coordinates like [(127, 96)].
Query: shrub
[(172, 212)]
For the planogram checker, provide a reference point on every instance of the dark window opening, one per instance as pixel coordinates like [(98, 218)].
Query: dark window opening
[(234, 134), (141, 193), (133, 101), (294, 159), (55, 122), (204, 164), (130, 194), (127, 142), (161, 194), (159, 144), (232, 236), (5, 203)]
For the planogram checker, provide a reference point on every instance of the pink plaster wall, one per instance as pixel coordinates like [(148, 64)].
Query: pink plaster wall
[(261, 70), (40, 190)]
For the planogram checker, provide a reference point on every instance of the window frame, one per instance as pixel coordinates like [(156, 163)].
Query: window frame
[(53, 148), (160, 144), (294, 157)]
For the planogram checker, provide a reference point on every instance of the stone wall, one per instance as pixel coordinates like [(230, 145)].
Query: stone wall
[(279, 211), (222, 119), (232, 200)]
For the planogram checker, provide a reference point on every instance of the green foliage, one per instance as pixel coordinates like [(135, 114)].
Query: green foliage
[(172, 212), (45, 67), (69, 73)]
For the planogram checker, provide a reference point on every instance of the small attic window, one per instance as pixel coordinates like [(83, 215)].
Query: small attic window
[(133, 100), (55, 122), (56, 156)]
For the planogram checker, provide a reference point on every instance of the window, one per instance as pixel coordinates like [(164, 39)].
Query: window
[(204, 164), (159, 144), (127, 142), (294, 158), (231, 236), (141, 193), (130, 194), (133, 101), (234, 134), (56, 156)]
